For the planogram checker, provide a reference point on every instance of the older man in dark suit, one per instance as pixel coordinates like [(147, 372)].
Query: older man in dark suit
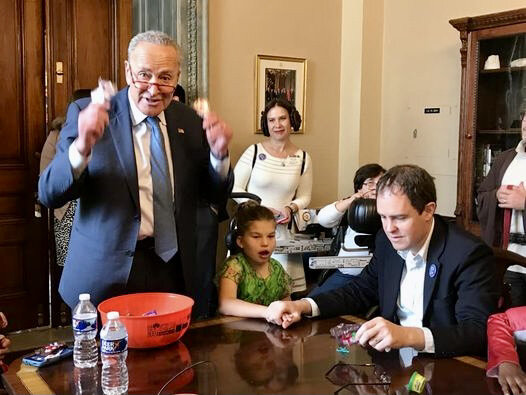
[(434, 283), (139, 165)]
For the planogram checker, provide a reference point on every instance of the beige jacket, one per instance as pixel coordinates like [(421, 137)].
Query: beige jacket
[(47, 155)]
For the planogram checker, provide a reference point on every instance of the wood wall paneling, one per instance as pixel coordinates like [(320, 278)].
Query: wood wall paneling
[(10, 64), (12, 207), (13, 257), (23, 247), (59, 44), (93, 37)]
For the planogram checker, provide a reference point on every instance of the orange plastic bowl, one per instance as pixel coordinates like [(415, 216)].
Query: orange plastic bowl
[(170, 322)]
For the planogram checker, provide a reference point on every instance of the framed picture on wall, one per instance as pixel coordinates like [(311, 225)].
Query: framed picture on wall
[(279, 77)]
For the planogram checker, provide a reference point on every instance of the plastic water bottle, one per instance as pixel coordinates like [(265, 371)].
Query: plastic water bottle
[(85, 352), (113, 352), (86, 381)]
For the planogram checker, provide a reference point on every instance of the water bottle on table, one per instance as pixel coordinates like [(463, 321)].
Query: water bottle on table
[(113, 353), (85, 352), (86, 381)]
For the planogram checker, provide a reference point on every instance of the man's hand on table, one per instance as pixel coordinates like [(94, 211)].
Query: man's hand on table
[(383, 335)]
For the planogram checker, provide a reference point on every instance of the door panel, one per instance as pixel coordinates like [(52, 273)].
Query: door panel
[(97, 51), (23, 246), (90, 38)]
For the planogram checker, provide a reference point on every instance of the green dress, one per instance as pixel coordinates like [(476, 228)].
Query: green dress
[(250, 286)]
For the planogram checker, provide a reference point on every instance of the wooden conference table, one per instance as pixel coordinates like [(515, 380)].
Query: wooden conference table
[(252, 357)]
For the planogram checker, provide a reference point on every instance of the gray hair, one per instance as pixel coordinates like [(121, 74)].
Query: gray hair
[(153, 37)]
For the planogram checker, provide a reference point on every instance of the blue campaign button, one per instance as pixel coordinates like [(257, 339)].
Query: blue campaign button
[(432, 270), (262, 156)]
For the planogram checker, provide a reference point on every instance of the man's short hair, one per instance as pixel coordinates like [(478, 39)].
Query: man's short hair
[(153, 37), (370, 170), (412, 181)]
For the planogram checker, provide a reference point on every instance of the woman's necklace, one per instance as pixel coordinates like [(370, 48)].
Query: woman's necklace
[(281, 155)]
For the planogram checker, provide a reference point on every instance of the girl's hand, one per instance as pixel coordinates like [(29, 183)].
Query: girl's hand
[(4, 346), (274, 312), (3, 320), (512, 379)]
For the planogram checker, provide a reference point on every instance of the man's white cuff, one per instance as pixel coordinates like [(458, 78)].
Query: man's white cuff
[(77, 160), (429, 341), (220, 166), (313, 306)]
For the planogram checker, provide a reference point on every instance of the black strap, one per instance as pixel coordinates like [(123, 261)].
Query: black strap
[(253, 163), (301, 173), (255, 155)]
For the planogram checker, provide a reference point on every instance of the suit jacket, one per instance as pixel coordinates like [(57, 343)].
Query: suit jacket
[(457, 300), (490, 215), (107, 221)]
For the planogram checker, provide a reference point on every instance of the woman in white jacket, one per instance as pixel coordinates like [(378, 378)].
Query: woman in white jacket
[(365, 180)]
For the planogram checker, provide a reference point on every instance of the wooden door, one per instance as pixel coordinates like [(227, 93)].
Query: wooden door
[(23, 240), (85, 40), (90, 39)]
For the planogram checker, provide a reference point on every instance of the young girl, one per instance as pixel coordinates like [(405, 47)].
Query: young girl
[(250, 280)]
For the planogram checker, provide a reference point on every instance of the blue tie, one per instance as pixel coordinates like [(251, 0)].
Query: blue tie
[(163, 207)]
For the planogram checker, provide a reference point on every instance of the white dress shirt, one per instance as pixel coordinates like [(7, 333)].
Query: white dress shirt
[(514, 175), (410, 302), (141, 144)]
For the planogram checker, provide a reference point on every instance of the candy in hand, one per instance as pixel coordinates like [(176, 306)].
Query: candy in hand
[(201, 106), (104, 92)]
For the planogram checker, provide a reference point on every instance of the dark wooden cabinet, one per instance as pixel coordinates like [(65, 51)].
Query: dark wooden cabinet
[(493, 95)]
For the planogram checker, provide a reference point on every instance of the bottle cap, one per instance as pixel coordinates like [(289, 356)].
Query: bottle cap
[(113, 315), (84, 297)]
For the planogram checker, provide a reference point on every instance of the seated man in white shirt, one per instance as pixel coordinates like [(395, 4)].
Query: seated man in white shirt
[(434, 283)]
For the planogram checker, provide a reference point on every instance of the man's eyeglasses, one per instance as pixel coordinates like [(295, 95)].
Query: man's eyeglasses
[(142, 81)]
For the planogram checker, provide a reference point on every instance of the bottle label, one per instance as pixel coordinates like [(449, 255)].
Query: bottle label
[(113, 346), (85, 325)]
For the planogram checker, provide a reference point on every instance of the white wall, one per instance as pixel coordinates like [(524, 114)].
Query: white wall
[(350, 96), (421, 68)]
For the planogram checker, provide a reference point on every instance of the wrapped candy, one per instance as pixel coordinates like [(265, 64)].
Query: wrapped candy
[(103, 92), (345, 334), (201, 106)]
